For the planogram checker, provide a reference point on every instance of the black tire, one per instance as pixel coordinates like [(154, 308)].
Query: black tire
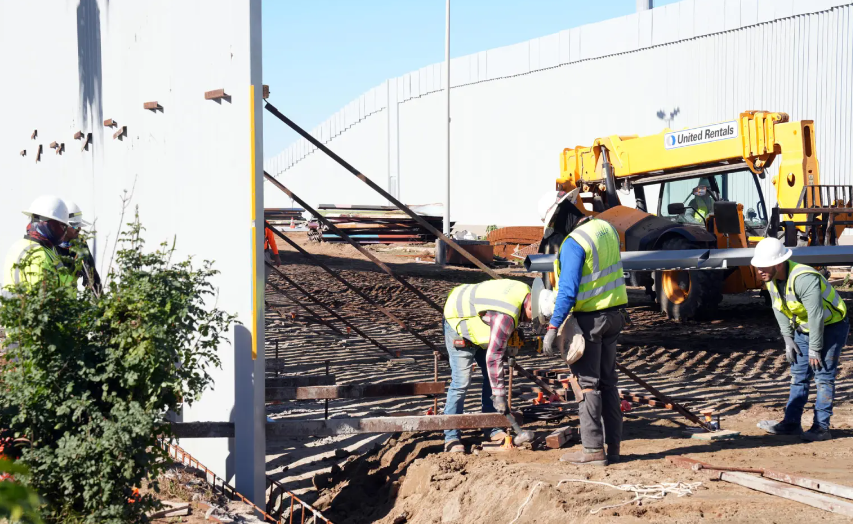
[(685, 295)]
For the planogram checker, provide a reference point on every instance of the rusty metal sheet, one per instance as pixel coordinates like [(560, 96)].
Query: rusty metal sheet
[(354, 391)]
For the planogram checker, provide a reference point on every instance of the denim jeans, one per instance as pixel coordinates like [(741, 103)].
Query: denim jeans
[(834, 338), (461, 360)]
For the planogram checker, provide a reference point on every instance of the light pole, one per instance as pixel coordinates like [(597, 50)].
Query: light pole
[(440, 247)]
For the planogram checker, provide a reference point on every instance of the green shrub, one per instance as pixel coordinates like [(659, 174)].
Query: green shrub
[(93, 373), (18, 503)]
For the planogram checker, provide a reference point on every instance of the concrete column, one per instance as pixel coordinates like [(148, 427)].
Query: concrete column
[(249, 412)]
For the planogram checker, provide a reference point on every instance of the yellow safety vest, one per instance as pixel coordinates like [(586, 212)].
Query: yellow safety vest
[(834, 308), (602, 282), (466, 303), (36, 257)]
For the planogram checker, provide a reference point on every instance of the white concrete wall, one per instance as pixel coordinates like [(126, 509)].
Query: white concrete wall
[(71, 65), (515, 108)]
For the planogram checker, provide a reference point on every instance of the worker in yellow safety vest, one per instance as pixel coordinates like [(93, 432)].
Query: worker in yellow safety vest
[(812, 317), (36, 251), (590, 287), (478, 321)]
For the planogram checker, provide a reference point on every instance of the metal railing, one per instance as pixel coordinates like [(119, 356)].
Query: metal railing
[(297, 506)]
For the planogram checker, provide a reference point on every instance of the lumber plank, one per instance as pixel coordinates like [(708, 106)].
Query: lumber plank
[(354, 391), (347, 426), (779, 489), (559, 437), (823, 486)]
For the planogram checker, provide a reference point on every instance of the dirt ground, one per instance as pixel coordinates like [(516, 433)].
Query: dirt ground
[(733, 364)]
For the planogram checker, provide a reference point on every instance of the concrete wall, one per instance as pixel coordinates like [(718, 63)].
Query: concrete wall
[(69, 67), (515, 108)]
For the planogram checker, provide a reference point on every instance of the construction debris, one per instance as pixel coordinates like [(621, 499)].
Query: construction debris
[(376, 224), (508, 241)]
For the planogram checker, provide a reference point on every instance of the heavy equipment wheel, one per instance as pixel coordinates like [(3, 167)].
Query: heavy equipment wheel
[(684, 295)]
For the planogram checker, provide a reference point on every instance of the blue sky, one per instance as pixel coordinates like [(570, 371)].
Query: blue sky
[(321, 54)]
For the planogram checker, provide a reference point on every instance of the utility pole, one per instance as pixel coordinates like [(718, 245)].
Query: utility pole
[(440, 247)]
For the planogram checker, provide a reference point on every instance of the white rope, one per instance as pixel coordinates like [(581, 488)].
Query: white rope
[(521, 508), (642, 492)]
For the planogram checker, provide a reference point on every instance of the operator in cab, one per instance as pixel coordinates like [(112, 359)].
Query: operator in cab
[(701, 205), (812, 317), (590, 286), (478, 322)]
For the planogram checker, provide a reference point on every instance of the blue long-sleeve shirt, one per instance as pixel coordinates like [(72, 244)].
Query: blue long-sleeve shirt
[(572, 256)]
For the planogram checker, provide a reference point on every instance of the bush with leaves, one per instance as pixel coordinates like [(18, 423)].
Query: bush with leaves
[(92, 374)]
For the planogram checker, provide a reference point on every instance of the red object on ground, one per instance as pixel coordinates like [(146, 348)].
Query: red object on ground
[(626, 406)]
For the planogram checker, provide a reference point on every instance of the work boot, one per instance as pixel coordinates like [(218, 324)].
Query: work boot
[(593, 457), (613, 453), (816, 434), (780, 428), (498, 435), (454, 446)]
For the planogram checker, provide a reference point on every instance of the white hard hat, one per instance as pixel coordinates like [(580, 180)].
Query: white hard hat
[(50, 207), (542, 301), (769, 252), (75, 214), (549, 210)]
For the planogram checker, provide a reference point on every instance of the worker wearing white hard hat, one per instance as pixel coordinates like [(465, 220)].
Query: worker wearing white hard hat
[(812, 317), (75, 223), (29, 257)]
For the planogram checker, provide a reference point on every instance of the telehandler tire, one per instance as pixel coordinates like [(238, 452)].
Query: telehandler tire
[(685, 295)]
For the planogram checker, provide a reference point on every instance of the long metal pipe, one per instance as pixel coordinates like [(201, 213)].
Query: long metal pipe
[(370, 183)]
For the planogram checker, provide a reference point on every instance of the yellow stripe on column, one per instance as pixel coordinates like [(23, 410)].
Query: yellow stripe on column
[(254, 231)]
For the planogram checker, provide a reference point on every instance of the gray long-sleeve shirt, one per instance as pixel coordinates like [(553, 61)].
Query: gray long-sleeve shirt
[(807, 290)]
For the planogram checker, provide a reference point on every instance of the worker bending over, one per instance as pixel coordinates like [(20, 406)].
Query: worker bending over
[(29, 257), (590, 286), (478, 322), (813, 320)]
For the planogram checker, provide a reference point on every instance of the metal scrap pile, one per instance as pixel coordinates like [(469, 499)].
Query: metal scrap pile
[(284, 216), (368, 224), (510, 241)]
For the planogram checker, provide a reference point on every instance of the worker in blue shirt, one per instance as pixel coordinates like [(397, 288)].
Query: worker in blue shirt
[(590, 285)]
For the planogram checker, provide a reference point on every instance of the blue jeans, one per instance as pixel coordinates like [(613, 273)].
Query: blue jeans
[(834, 338), (461, 360)]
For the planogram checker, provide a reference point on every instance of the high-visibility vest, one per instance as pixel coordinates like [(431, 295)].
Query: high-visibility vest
[(602, 282), (466, 304), (834, 308), (703, 209), (36, 257)]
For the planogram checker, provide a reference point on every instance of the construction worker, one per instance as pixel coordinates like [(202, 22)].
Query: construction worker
[(702, 204), (37, 249), (271, 255), (478, 322), (75, 224), (591, 287), (812, 317)]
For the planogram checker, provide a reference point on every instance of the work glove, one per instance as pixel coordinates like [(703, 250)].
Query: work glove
[(815, 361), (791, 350), (499, 401), (550, 341)]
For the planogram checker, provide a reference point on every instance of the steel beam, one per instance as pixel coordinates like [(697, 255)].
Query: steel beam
[(347, 426), (354, 391)]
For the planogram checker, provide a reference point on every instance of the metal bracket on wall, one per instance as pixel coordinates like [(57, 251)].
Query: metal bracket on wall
[(122, 131), (152, 106), (216, 94), (109, 122)]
